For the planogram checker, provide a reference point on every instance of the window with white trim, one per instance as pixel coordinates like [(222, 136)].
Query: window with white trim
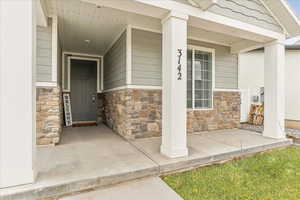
[(200, 78)]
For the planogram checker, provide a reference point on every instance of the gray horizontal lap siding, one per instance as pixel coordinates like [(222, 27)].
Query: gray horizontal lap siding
[(44, 54), (115, 64), (249, 11), (146, 58), (147, 61), (226, 65)]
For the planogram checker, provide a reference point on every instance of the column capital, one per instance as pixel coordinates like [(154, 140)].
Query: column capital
[(275, 42), (175, 14)]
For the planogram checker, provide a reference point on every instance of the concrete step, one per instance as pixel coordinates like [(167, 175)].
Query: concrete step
[(160, 167)]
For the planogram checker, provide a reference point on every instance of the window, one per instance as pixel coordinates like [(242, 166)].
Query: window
[(200, 78)]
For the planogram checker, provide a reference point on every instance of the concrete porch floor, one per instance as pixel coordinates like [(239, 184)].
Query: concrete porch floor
[(90, 157)]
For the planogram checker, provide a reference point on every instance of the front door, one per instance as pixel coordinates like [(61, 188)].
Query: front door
[(84, 90)]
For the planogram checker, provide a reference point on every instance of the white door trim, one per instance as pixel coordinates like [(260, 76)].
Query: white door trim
[(78, 56)]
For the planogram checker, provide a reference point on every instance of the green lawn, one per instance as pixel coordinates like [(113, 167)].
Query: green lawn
[(274, 175)]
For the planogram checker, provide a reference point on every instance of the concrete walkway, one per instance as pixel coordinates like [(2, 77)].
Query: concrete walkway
[(144, 189), (90, 157), (290, 132)]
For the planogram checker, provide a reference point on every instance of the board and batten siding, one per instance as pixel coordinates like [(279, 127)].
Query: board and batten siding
[(147, 61), (249, 11), (115, 64), (146, 58), (44, 54)]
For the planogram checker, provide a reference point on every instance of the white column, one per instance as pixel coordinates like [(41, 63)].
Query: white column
[(17, 92), (174, 141), (274, 90)]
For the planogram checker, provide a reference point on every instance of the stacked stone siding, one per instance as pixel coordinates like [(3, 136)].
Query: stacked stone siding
[(49, 115), (100, 108), (224, 115), (135, 113), (144, 112)]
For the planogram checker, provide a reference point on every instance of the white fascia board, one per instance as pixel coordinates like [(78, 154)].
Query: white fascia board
[(285, 15), (160, 9), (214, 18)]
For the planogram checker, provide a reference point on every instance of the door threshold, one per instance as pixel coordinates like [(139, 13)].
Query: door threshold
[(84, 123)]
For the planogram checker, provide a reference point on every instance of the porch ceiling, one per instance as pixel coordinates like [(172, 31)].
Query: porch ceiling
[(80, 21)]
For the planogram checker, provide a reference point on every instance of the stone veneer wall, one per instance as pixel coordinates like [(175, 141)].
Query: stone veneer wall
[(135, 113), (100, 108), (49, 115), (225, 114)]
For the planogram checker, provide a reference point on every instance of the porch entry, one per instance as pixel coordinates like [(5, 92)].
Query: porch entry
[(84, 90), (83, 82)]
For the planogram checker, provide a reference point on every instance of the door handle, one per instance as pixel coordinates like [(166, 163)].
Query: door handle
[(93, 98)]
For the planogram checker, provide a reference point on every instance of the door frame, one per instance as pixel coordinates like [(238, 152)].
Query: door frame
[(79, 56), (97, 60)]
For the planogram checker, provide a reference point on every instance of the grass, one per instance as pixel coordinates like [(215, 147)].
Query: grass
[(274, 175)]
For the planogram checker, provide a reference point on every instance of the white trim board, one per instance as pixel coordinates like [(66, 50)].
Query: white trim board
[(78, 56), (128, 55), (149, 87), (272, 14), (45, 84), (158, 9), (54, 48), (142, 87), (194, 12), (72, 53), (226, 90)]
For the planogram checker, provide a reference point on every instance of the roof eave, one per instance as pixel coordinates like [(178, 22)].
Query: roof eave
[(285, 15)]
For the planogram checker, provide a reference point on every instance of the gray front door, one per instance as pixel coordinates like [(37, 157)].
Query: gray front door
[(84, 90)]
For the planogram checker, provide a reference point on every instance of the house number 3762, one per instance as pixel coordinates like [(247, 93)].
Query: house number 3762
[(179, 73)]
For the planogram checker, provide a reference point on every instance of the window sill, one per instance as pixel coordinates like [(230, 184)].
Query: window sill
[(200, 109)]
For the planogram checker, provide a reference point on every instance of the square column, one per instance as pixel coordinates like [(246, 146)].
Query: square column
[(274, 112), (17, 92), (174, 61)]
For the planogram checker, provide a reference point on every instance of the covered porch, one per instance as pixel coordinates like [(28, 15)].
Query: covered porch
[(91, 157), (95, 156)]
